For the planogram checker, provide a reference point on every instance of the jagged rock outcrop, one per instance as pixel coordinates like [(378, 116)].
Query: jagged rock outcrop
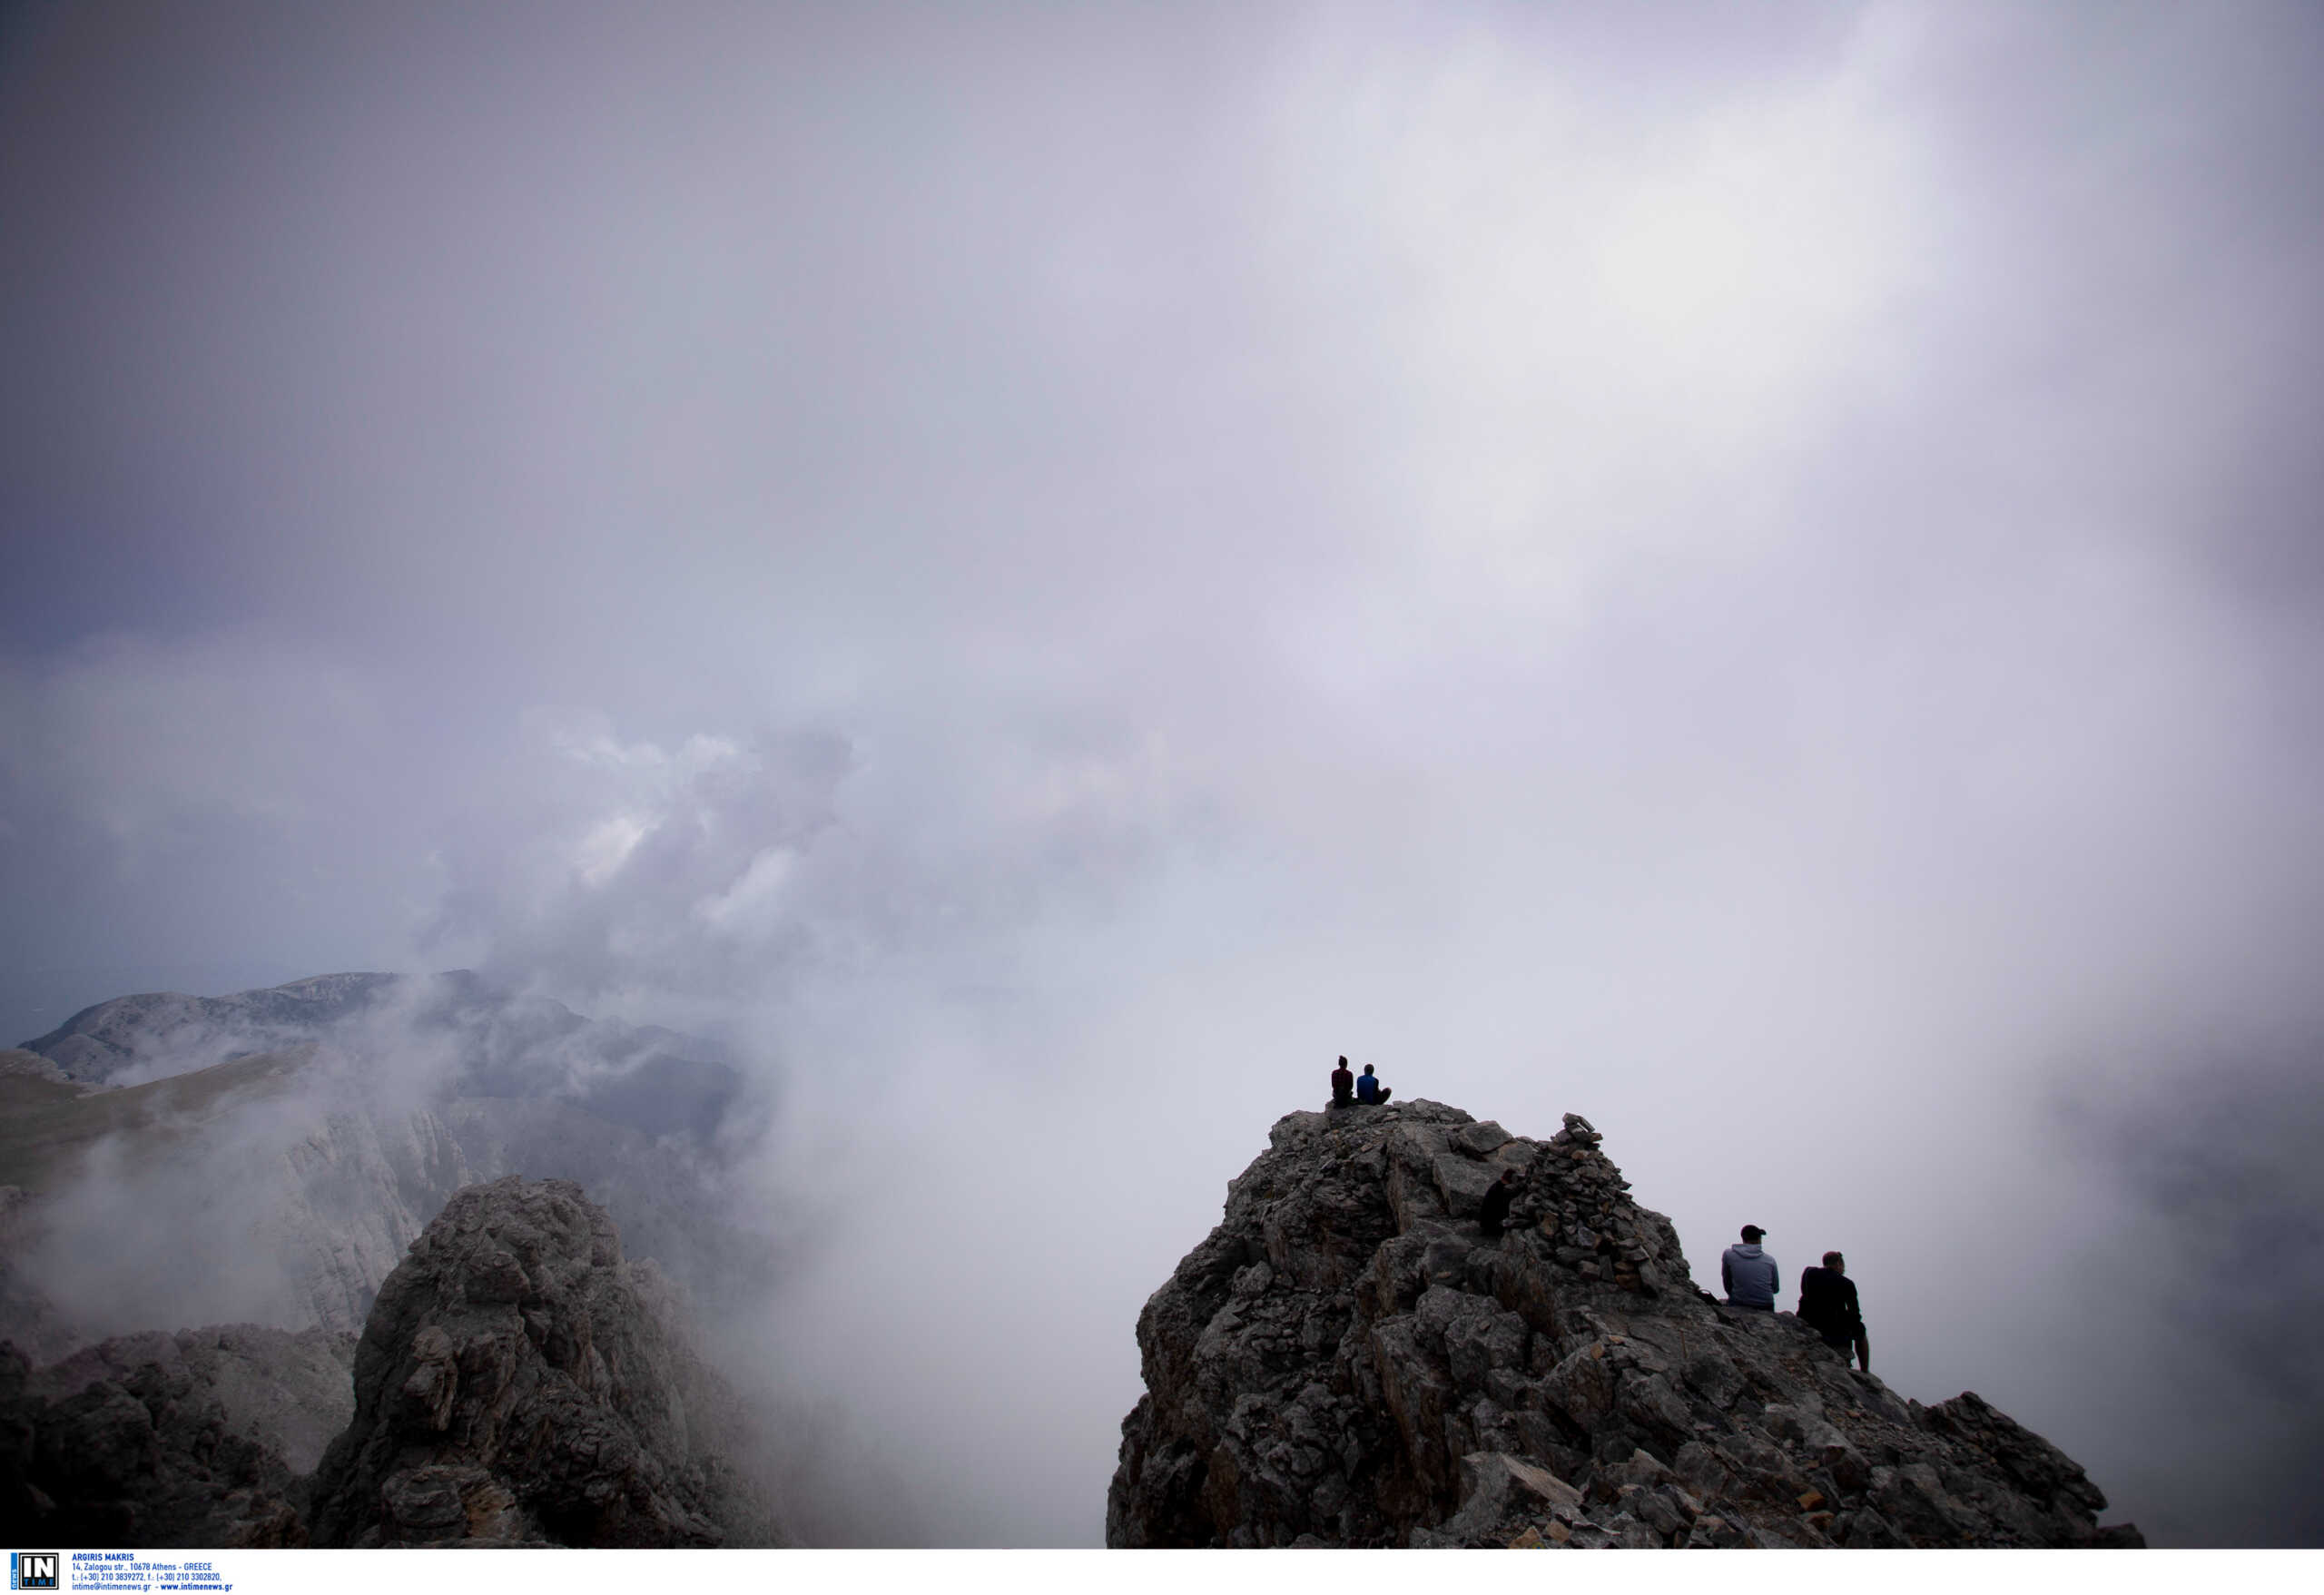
[(188, 1439), (518, 1382), (358, 1189), (288, 1391), (1347, 1360)]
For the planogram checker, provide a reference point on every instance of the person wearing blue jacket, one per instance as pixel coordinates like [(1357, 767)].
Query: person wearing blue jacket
[(1368, 1087), (1749, 1275)]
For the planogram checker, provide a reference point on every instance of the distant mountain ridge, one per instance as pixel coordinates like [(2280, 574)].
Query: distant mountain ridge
[(151, 1034), (1354, 1358), (268, 1156), (650, 1078), (520, 1382)]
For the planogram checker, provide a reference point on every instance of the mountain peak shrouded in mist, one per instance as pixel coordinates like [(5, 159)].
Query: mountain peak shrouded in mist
[(132, 1039), (519, 1381), (507, 1044), (1348, 1360), (187, 1178), (1046, 564)]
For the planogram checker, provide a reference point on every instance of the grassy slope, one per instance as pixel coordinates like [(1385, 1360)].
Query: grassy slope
[(47, 1127)]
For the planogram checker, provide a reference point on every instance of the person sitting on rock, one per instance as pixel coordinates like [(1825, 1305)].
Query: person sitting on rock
[(1749, 1275), (1827, 1305), (1492, 1214), (1343, 1085), (1369, 1089)]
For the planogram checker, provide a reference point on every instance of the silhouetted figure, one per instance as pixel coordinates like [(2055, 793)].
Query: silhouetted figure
[(1828, 1305), (1492, 1214), (1369, 1089), (1749, 1275), (1343, 1085)]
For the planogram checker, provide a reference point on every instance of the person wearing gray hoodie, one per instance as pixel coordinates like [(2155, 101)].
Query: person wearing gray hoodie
[(1749, 1275)]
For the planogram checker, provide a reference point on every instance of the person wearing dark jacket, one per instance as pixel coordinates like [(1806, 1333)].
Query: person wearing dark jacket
[(1343, 1085), (1749, 1275), (1827, 1305), (1368, 1087), (1492, 1214)]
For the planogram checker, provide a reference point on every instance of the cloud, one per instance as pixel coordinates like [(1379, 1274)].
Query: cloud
[(2229, 1248), (1747, 580), (644, 865)]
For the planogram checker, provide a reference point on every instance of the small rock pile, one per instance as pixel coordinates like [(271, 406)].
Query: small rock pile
[(520, 1383), (1347, 1360)]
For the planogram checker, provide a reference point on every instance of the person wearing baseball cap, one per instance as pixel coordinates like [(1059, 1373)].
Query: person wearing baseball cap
[(1749, 1275)]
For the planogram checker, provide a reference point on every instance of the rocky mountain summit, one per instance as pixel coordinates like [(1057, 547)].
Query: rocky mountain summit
[(1347, 1361), (128, 1040), (518, 1382)]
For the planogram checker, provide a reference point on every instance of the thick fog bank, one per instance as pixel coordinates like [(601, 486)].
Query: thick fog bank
[(1037, 576)]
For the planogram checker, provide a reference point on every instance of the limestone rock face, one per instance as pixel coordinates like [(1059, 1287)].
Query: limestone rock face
[(518, 1382), (286, 1390), (356, 1190), (171, 1443), (1347, 1360)]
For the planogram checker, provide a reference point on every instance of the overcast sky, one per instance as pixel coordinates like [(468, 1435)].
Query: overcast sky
[(1752, 573)]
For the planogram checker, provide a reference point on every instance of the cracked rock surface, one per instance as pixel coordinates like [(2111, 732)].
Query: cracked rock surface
[(285, 1389), (518, 1382), (170, 1439), (1347, 1361)]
